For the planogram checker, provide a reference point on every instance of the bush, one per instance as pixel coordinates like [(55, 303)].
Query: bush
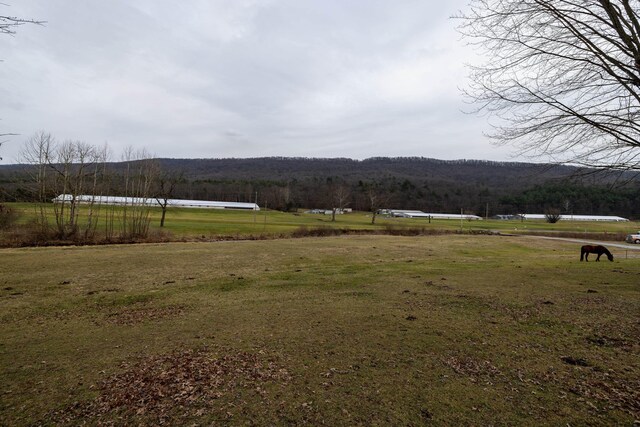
[(30, 234), (8, 217), (552, 215), (318, 232), (413, 231)]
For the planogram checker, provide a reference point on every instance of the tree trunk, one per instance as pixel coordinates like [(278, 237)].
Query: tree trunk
[(164, 212)]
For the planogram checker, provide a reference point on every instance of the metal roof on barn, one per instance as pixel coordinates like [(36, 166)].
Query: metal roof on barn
[(149, 201), (612, 218), (419, 214)]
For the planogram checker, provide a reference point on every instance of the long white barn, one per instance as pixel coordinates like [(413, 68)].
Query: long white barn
[(178, 203), (398, 213), (612, 218)]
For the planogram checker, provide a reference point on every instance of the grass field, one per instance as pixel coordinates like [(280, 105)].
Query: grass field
[(351, 330), (212, 224)]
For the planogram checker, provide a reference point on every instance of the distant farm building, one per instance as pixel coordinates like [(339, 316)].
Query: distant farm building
[(329, 211), (611, 218), (397, 213), (507, 217), (139, 201)]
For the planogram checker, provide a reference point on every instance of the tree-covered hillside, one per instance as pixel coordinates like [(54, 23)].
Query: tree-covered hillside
[(404, 183)]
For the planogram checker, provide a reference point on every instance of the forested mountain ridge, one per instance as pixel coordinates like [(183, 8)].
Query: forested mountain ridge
[(403, 183), (287, 168)]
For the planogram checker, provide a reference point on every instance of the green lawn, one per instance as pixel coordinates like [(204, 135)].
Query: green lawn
[(212, 223), (351, 330)]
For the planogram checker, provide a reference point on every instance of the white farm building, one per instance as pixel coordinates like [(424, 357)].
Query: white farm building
[(419, 214), (611, 218), (178, 203)]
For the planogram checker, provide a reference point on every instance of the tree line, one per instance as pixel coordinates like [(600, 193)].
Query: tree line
[(49, 168), (65, 170)]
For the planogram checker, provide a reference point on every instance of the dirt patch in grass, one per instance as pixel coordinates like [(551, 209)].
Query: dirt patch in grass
[(600, 389), (472, 368), (609, 341), (610, 391), (185, 384), (132, 316)]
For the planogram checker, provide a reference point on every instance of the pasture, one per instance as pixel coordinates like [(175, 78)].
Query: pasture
[(213, 224), (359, 330)]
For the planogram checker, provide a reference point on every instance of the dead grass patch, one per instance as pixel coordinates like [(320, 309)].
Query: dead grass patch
[(600, 389), (186, 384), (132, 316), (610, 391), (472, 368), (609, 341)]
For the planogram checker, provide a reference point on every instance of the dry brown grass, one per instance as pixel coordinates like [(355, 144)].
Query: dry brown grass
[(357, 330)]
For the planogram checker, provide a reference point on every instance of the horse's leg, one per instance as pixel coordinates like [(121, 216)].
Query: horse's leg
[(598, 258)]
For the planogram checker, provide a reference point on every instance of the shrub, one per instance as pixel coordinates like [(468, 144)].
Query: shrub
[(318, 232), (412, 231), (552, 216), (8, 217)]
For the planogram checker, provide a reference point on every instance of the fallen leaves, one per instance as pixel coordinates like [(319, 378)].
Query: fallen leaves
[(609, 389), (182, 384), (133, 316), (472, 368)]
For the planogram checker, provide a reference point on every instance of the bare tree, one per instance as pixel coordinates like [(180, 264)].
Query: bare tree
[(377, 197), (139, 175), (96, 182), (562, 77), (69, 170), (74, 165), (340, 198), (166, 183), (36, 153)]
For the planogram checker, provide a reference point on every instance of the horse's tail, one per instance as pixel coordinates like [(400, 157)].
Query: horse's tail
[(582, 251)]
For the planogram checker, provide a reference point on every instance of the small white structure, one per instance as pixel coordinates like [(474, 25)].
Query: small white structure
[(329, 211), (611, 218), (177, 203), (398, 213)]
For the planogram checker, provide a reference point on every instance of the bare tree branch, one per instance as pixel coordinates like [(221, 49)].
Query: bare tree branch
[(561, 79), (8, 24)]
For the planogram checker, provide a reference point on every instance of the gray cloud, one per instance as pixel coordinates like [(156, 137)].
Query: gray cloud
[(242, 78)]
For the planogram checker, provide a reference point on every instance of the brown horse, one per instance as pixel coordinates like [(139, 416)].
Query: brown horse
[(589, 249)]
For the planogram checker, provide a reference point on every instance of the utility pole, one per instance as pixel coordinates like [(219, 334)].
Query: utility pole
[(255, 209), (264, 228)]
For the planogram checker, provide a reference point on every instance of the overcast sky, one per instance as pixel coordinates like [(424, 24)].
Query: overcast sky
[(242, 78)]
